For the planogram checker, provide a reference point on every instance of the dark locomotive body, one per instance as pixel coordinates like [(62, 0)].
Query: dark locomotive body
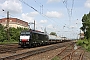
[(34, 38)]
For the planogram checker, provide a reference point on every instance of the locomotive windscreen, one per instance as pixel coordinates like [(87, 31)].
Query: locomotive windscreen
[(25, 33)]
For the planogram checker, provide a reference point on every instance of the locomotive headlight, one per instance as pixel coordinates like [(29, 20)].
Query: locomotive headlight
[(27, 39), (42, 41)]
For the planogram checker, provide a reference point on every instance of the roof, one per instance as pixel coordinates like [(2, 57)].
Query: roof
[(35, 31), (38, 32)]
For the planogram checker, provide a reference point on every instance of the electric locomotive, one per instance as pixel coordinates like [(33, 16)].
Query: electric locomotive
[(32, 37)]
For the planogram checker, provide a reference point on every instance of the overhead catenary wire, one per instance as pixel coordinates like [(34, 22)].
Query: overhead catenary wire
[(28, 5), (41, 6), (36, 10), (72, 7), (47, 9), (69, 10), (48, 18)]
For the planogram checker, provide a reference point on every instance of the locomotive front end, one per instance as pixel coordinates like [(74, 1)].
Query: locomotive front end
[(24, 38)]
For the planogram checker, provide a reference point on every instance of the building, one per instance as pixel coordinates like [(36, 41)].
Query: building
[(14, 22)]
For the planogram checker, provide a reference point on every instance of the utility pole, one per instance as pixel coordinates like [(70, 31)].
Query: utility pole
[(7, 26), (33, 23), (45, 30)]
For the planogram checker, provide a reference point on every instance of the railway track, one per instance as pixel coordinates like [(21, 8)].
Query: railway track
[(10, 48), (71, 52), (34, 52)]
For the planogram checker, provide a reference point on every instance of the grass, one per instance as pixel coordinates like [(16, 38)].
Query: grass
[(8, 42), (56, 58)]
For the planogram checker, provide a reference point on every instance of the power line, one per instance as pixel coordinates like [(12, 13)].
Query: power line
[(72, 7), (28, 5), (69, 11), (65, 3), (42, 10), (41, 6), (37, 3), (36, 10)]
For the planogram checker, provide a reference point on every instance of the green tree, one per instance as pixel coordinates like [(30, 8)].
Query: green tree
[(86, 25), (2, 33), (15, 33), (53, 33)]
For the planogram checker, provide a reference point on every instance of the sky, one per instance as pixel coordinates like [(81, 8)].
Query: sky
[(61, 16)]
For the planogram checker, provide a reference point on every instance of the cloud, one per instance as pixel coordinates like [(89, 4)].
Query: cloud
[(87, 4), (29, 17), (54, 14), (72, 27), (40, 28), (50, 26), (13, 6), (33, 14), (51, 1), (1, 1), (43, 21)]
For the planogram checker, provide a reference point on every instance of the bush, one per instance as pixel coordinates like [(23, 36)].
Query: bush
[(80, 42), (88, 45), (84, 43), (56, 58)]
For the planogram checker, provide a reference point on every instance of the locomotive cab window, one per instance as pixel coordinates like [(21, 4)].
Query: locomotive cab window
[(25, 33)]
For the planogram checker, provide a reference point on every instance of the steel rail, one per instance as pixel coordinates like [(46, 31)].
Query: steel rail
[(65, 48), (81, 55), (70, 54), (30, 53)]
